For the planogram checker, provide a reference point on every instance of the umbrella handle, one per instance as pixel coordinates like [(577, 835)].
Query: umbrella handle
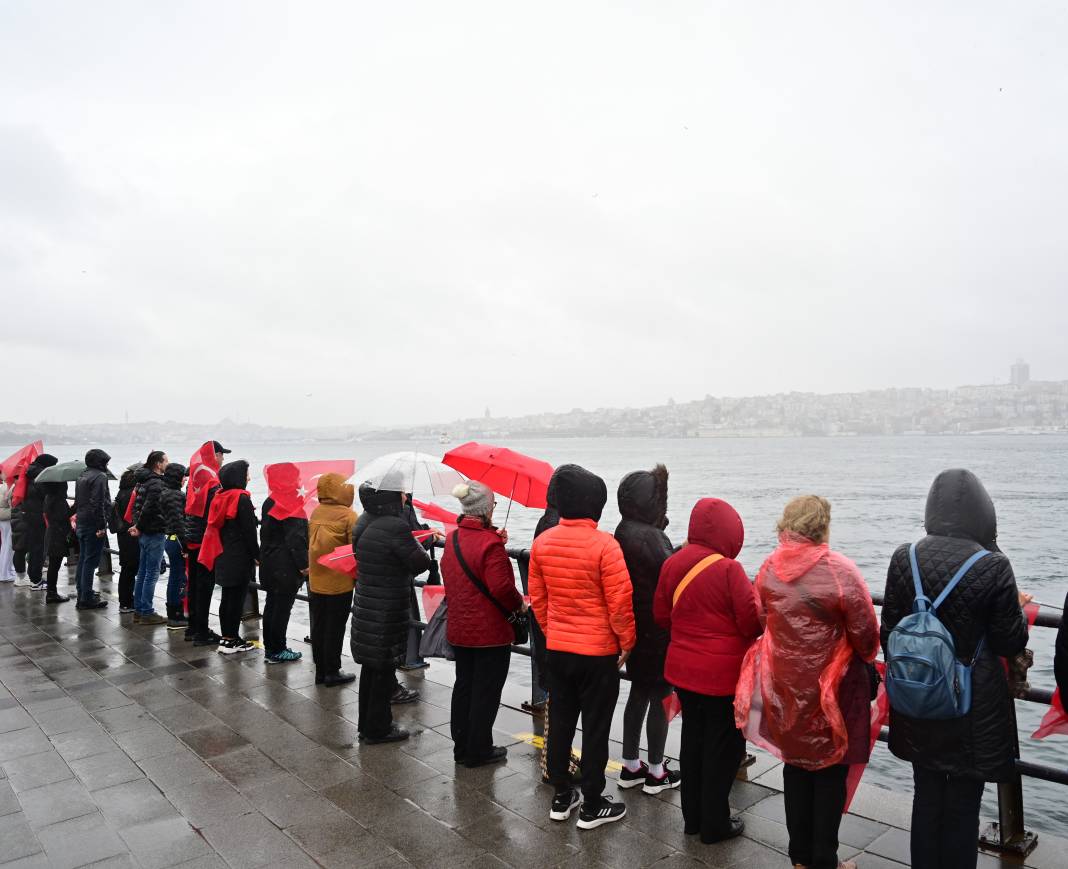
[(508, 513)]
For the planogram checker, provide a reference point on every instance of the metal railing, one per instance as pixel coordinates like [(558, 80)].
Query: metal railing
[(1007, 835)]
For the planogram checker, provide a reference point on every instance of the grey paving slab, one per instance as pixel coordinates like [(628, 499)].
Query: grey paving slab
[(23, 743), (246, 767), (18, 837), (9, 802), (57, 802), (250, 841), (208, 803), (165, 842), (101, 771), (35, 770), (133, 803), (426, 842), (80, 842), (177, 769)]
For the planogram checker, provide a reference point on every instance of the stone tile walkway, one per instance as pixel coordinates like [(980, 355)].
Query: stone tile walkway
[(125, 746)]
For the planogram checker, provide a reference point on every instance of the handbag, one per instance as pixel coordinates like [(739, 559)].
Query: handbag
[(434, 642), (519, 620)]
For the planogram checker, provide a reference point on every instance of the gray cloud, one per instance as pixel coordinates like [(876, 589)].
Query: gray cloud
[(414, 212)]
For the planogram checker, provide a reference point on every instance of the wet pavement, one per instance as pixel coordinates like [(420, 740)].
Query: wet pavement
[(123, 745)]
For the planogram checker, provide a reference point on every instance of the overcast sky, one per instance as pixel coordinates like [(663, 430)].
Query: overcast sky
[(313, 213)]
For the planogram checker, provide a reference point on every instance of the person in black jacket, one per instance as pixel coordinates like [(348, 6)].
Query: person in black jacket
[(172, 502), (1060, 655), (28, 527), (235, 567), (129, 547), (283, 569), (148, 528), (642, 498), (388, 559), (92, 507), (57, 511), (951, 759)]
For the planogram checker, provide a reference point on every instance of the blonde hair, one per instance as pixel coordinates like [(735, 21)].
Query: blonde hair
[(809, 516)]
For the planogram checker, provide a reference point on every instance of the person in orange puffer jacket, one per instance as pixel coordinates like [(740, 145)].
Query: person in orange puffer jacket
[(581, 595)]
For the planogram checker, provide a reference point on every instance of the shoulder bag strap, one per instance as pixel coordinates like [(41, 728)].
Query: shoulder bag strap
[(921, 598), (707, 561), (478, 583)]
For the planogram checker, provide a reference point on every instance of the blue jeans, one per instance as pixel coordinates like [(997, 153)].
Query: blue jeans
[(176, 578), (89, 549), (148, 573)]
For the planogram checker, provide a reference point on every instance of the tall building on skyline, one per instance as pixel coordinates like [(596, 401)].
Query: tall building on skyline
[(1020, 373)]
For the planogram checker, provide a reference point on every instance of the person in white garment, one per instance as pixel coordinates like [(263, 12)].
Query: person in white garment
[(7, 554)]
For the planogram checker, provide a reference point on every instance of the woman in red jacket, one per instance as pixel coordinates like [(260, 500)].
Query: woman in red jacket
[(480, 589), (707, 601)]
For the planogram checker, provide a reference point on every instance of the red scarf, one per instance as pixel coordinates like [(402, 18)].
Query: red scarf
[(283, 487), (223, 508), (203, 477)]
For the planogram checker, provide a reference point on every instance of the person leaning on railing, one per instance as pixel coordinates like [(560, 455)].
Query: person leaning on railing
[(952, 758)]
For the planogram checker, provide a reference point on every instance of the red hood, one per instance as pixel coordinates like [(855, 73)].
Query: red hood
[(716, 525), (795, 556)]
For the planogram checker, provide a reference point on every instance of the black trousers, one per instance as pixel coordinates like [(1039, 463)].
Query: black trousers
[(585, 685), (945, 820), (711, 750), (129, 561), (201, 583), (276, 613), (230, 608), (31, 560), (376, 687), (476, 696), (814, 804), (55, 562), (329, 615)]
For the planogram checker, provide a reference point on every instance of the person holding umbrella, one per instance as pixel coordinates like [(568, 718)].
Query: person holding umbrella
[(92, 507)]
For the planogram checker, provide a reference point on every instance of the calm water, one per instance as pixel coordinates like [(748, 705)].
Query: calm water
[(877, 487)]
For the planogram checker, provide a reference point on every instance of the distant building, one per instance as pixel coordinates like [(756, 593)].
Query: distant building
[(1020, 373)]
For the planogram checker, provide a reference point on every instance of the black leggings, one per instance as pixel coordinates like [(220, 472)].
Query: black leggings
[(230, 610), (476, 696), (645, 705), (276, 614), (201, 583), (712, 748)]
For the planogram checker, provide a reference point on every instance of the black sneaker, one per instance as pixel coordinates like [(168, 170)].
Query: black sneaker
[(669, 780), (209, 639), (402, 695), (92, 605), (496, 754), (603, 812), (628, 779), (735, 828), (396, 734), (564, 803)]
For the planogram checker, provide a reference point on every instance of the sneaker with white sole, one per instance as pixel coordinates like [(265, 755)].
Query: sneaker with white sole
[(603, 812), (22, 581), (234, 647), (668, 781), (564, 803), (42, 585), (628, 779)]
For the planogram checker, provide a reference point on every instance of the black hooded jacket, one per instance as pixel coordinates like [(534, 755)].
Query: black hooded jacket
[(236, 564), (92, 498), (985, 606), (551, 517), (27, 517), (387, 558), (148, 502), (127, 486), (643, 505), (172, 501), (580, 494), (1060, 654), (57, 511), (283, 551)]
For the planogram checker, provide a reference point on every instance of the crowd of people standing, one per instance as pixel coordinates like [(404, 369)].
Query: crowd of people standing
[(786, 661)]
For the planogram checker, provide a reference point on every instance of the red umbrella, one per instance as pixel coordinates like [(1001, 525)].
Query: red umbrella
[(514, 475), (16, 464), (434, 513)]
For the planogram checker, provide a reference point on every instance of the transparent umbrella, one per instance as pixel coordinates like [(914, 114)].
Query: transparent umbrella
[(419, 473)]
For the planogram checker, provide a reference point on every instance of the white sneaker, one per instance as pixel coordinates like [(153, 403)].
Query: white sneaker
[(22, 581)]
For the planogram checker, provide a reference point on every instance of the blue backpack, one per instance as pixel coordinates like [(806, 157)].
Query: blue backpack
[(924, 678)]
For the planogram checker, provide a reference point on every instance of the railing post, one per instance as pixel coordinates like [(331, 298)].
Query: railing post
[(1007, 834)]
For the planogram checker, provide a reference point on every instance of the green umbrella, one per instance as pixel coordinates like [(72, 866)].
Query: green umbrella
[(64, 472)]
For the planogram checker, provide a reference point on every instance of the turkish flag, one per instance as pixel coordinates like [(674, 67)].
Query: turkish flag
[(1055, 721), (16, 464), (310, 472), (434, 513)]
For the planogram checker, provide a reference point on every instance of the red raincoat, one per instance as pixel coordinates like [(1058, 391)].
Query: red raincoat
[(820, 618)]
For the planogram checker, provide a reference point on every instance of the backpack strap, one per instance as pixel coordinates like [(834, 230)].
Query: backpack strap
[(922, 602), (707, 561), (958, 576)]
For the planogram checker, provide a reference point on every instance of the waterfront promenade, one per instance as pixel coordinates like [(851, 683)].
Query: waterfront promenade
[(122, 745)]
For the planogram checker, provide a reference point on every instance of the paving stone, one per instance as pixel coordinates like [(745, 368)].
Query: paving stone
[(80, 841), (246, 767), (19, 744), (17, 837), (165, 842), (57, 802), (36, 770), (177, 769), (208, 803), (83, 743), (250, 841), (123, 718), (368, 800), (894, 844), (54, 722), (14, 718), (426, 842), (213, 740), (133, 803), (9, 803), (287, 800), (185, 717), (318, 767), (37, 861), (151, 740), (392, 766), (334, 831), (105, 770), (873, 861), (107, 697), (517, 841)]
